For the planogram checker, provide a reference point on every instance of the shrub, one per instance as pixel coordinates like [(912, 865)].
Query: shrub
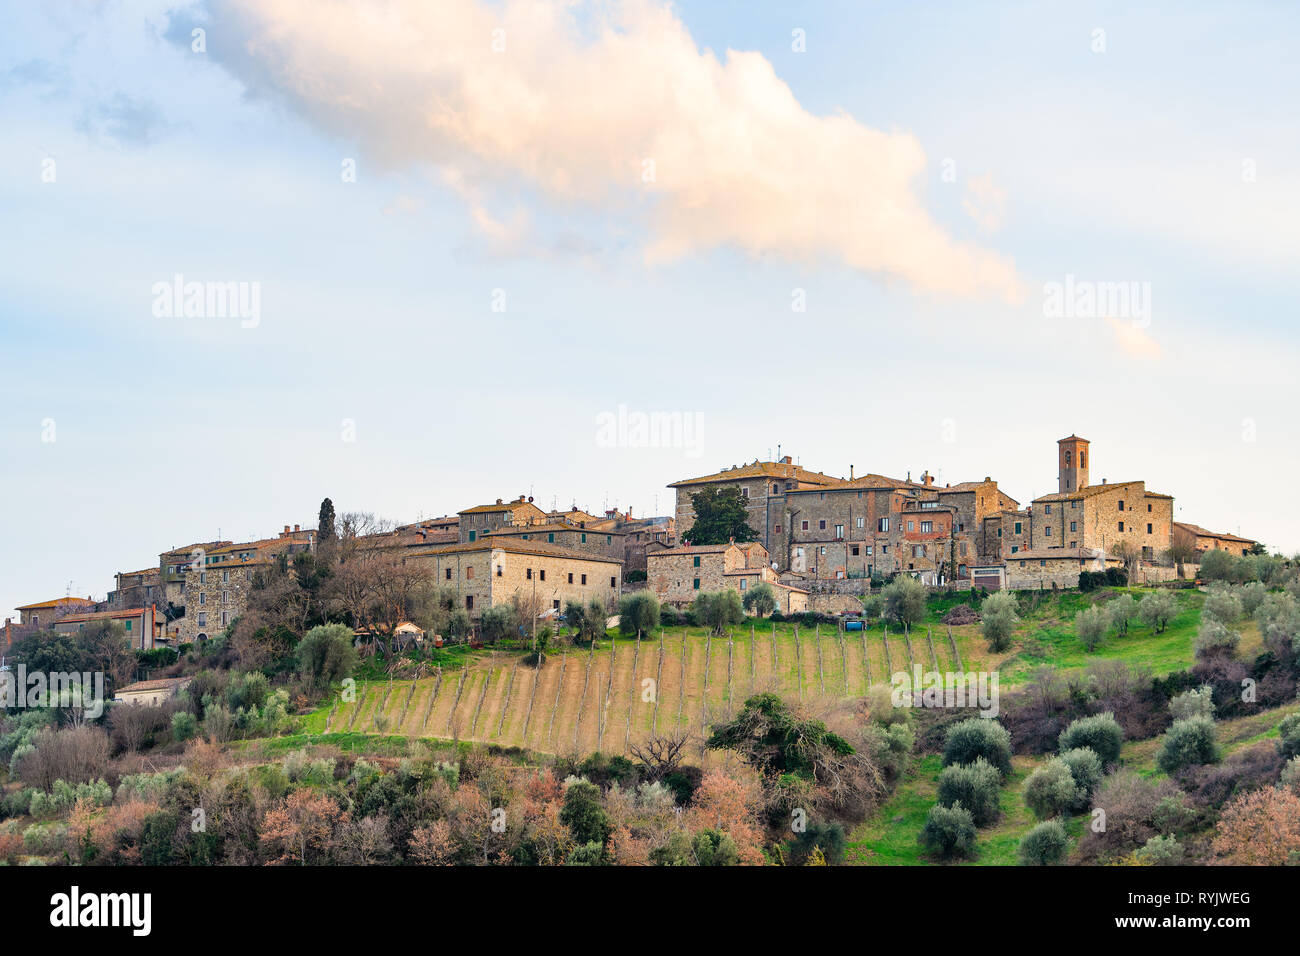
[(326, 655), (718, 609), (1044, 845), (1161, 851), (904, 600), (1260, 828), (1278, 617), (998, 613), (976, 737), (760, 600), (583, 814), (1120, 611), (1198, 702), (1221, 605), (1087, 771), (1050, 790), (184, 725), (1215, 640), (1251, 597), (1157, 609), (1218, 565), (1100, 733), (872, 606), (638, 613), (949, 832), (1291, 775), (1288, 744), (497, 623), (1186, 743), (1090, 626), (829, 838), (974, 786)]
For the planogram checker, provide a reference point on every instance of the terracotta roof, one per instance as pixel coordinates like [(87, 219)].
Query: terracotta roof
[(159, 683), (102, 615), (1073, 554), (57, 602), (197, 546), (692, 549), (499, 506), (549, 527), (513, 546), (761, 469), (142, 571), (863, 482), (1198, 530), (1087, 491)]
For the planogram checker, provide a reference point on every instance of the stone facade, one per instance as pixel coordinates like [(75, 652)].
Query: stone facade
[(143, 625), (475, 522), (1101, 516), (678, 575), (215, 596), (604, 543), (1053, 567), (487, 573), (1202, 540)]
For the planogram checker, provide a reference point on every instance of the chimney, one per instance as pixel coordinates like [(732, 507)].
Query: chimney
[(785, 460), (850, 472), (286, 529), (498, 501), (296, 528), (530, 499)]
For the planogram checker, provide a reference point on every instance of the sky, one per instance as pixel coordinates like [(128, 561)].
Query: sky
[(474, 247)]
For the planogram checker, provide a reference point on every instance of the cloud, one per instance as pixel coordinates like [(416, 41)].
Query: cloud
[(984, 202), (124, 120), (612, 107), (1133, 340)]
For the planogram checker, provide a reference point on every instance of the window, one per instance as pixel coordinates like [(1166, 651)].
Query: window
[(1048, 531), (203, 577), (203, 618), (570, 577), (1121, 526), (803, 525), (999, 532), (861, 522), (469, 602), (855, 551), (697, 584), (550, 537), (839, 532), (695, 561), (1074, 526), (128, 626), (448, 574), (744, 492), (776, 489), (473, 535), (927, 527), (556, 604), (1017, 527), (1047, 509), (584, 579), (868, 549), (1148, 527), (203, 597), (609, 539), (778, 529), (744, 585), (1074, 544), (821, 525), (911, 526), (225, 577), (500, 570), (225, 618), (584, 537), (1014, 549), (613, 581), (542, 574), (1121, 504), (528, 574), (225, 597), (882, 524), (469, 572), (1148, 507)]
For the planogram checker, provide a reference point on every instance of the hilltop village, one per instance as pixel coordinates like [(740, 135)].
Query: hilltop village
[(818, 541)]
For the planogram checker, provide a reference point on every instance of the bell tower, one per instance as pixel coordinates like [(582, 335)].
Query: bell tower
[(1072, 463)]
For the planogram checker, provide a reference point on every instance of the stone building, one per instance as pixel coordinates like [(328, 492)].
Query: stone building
[(493, 571), (1200, 539), (137, 589), (607, 543), (481, 519), (173, 564), (1101, 517), (678, 575), (144, 626), (1045, 568)]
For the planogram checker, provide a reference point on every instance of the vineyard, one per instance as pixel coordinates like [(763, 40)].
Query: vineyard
[(625, 690)]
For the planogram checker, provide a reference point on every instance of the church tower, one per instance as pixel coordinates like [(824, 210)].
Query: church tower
[(1072, 463)]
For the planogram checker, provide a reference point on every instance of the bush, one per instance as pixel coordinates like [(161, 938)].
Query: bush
[(638, 613), (326, 655), (1087, 771), (718, 609), (497, 623), (1291, 775), (1100, 733), (1186, 743), (1120, 611), (976, 737), (1218, 565), (1090, 626), (1278, 617), (1157, 609), (184, 725), (975, 786), (760, 600), (827, 837), (949, 832), (1198, 702), (1288, 744), (1050, 790), (1044, 845), (1215, 640), (998, 613), (1251, 597), (904, 600), (1161, 851), (1221, 605)]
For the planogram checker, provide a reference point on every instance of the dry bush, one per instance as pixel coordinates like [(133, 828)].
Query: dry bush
[(75, 755), (1260, 828)]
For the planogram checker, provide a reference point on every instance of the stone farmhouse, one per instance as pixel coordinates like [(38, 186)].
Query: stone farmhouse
[(1201, 540), (678, 575)]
